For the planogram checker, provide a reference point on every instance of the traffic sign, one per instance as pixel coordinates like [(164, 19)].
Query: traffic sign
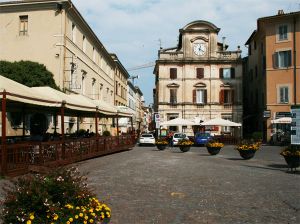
[(156, 117)]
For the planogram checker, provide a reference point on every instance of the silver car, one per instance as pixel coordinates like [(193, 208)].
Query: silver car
[(177, 137), (147, 139)]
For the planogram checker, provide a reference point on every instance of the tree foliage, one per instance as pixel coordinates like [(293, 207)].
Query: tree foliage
[(28, 73)]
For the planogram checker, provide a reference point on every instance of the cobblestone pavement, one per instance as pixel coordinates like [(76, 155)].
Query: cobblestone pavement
[(145, 185)]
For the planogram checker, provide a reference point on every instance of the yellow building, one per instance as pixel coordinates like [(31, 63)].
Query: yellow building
[(272, 74)]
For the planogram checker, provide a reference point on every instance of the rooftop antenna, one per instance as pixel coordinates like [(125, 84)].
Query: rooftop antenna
[(159, 40)]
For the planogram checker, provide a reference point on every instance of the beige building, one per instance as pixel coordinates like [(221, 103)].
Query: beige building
[(199, 79), (121, 86), (271, 69), (53, 33), (139, 102)]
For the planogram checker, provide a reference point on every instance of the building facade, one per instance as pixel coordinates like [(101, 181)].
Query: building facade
[(55, 34), (199, 78), (272, 73)]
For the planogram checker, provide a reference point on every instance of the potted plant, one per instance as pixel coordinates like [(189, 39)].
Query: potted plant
[(291, 155), (161, 143), (185, 145), (248, 148), (214, 147)]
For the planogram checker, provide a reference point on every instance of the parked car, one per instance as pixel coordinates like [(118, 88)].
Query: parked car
[(147, 139), (202, 138), (177, 137)]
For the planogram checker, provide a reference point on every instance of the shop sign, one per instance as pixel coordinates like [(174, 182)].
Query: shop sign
[(295, 126), (267, 114)]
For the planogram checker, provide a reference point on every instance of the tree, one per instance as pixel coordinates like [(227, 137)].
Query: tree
[(28, 73)]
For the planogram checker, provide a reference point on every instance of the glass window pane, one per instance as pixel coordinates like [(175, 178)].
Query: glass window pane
[(226, 73)]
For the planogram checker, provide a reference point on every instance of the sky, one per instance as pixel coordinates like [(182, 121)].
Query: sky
[(134, 29)]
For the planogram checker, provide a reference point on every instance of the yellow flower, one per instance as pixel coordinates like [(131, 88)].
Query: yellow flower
[(68, 222), (80, 214), (76, 216), (31, 217), (55, 217), (28, 222), (91, 220), (71, 219), (86, 217)]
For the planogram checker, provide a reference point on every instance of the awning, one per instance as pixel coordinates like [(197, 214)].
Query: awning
[(220, 122), (282, 120), (23, 94), (71, 102)]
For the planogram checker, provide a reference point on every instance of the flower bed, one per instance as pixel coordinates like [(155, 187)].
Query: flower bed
[(291, 155), (59, 197), (161, 143), (247, 148), (185, 145)]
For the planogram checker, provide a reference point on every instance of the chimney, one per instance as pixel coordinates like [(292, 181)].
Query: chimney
[(223, 38), (280, 12)]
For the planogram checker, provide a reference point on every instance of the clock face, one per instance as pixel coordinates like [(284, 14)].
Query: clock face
[(200, 49)]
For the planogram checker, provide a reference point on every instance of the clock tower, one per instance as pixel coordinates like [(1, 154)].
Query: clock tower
[(199, 79)]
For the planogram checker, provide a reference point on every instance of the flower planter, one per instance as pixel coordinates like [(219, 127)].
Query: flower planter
[(247, 154), (161, 146), (292, 161), (185, 148), (213, 150)]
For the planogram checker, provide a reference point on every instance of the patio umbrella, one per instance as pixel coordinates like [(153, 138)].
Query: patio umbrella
[(220, 122), (282, 120), (177, 122)]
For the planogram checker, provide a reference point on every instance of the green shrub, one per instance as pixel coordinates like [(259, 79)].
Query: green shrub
[(59, 197), (257, 136), (106, 133)]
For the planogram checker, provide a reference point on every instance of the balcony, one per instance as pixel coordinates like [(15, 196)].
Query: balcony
[(231, 55)]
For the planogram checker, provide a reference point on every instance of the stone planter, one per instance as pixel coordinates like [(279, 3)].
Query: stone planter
[(185, 148), (161, 147), (213, 150), (247, 154), (292, 161)]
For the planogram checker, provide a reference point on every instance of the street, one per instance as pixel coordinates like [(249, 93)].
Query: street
[(145, 185)]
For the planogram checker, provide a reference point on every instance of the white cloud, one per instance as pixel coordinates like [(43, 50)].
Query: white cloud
[(131, 28)]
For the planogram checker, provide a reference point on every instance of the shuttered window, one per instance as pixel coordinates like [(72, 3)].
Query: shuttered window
[(200, 73), (227, 73), (226, 96), (173, 73), (173, 96), (282, 59)]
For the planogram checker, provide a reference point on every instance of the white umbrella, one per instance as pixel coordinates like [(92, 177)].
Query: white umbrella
[(282, 120), (177, 122), (220, 122)]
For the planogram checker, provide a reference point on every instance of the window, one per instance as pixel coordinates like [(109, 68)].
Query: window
[(173, 96), (200, 96), (73, 32), (83, 43), (200, 73), (116, 87), (226, 96), (249, 49), (93, 88), (173, 73), (94, 54), (227, 73), (282, 59), (23, 25), (283, 32), (284, 94), (83, 83)]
